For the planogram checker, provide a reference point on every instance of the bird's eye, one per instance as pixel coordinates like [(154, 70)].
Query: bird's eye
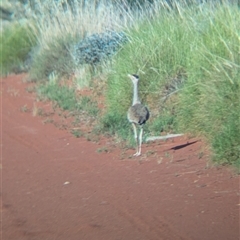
[(136, 76)]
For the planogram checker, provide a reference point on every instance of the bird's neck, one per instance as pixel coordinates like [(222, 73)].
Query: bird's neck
[(135, 94)]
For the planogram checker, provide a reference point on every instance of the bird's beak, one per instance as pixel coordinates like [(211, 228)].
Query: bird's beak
[(129, 75)]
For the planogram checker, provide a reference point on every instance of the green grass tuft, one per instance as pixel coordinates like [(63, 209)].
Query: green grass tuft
[(209, 103), (115, 124), (62, 95), (67, 99), (15, 44)]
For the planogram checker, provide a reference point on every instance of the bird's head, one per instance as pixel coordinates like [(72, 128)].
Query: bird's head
[(133, 77)]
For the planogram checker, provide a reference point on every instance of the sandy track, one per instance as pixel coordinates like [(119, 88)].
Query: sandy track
[(56, 186)]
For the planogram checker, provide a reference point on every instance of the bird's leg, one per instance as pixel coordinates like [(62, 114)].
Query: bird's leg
[(140, 141), (136, 138)]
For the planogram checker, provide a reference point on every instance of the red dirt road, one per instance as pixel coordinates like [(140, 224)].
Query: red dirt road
[(56, 186)]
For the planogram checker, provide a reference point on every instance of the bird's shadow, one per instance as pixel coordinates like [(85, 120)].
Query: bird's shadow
[(183, 145)]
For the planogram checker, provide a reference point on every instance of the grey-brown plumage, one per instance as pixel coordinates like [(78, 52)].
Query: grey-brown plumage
[(138, 114)]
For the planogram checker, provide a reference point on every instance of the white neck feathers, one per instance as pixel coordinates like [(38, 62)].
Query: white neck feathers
[(135, 93)]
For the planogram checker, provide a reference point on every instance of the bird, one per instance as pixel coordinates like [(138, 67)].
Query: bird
[(137, 114)]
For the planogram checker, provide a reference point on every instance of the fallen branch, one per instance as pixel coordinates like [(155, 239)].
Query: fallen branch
[(163, 137)]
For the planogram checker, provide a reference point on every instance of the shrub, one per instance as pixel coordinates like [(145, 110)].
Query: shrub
[(98, 47), (15, 46)]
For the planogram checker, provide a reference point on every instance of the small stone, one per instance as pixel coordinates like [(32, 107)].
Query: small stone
[(66, 183)]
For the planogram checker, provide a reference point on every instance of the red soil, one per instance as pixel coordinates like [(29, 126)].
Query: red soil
[(57, 186)]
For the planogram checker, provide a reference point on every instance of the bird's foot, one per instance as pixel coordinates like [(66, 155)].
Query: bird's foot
[(137, 154)]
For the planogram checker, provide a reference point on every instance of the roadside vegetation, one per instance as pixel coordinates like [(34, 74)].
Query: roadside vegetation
[(186, 54), (16, 42), (66, 98)]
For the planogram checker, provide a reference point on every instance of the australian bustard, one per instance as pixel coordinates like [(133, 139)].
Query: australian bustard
[(138, 114)]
